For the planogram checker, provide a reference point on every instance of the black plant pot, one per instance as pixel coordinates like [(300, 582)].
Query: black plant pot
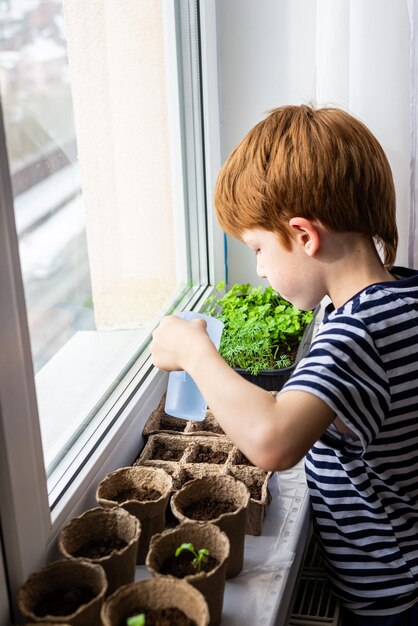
[(274, 379), (271, 380)]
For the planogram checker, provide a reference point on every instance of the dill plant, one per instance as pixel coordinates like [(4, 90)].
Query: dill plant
[(261, 329)]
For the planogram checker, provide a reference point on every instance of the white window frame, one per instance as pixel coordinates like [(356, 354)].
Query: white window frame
[(28, 527)]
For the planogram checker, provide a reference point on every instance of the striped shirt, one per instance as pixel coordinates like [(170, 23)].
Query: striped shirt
[(363, 363)]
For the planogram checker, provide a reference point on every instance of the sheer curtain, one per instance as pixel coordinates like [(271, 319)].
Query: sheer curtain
[(413, 181), (360, 55), (363, 53)]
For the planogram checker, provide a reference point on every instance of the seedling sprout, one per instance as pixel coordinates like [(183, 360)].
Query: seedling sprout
[(284, 361), (136, 620), (200, 556)]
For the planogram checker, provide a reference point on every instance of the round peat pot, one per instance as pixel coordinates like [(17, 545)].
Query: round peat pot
[(64, 592), (108, 537), (154, 594), (231, 496), (161, 560), (142, 491)]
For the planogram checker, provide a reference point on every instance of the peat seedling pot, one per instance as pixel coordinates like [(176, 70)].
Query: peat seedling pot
[(108, 537), (142, 491), (220, 500), (256, 480), (207, 576), (64, 592), (182, 604)]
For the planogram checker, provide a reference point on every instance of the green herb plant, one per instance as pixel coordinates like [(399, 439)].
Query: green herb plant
[(261, 329), (136, 620), (200, 556)]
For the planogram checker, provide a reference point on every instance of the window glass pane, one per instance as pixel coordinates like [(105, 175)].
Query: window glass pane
[(38, 115), (92, 114)]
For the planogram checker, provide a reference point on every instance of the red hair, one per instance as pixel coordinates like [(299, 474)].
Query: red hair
[(320, 164)]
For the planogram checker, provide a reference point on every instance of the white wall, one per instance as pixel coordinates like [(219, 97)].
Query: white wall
[(350, 53)]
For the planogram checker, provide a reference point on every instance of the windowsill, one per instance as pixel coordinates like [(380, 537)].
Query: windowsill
[(73, 383), (261, 593), (272, 560)]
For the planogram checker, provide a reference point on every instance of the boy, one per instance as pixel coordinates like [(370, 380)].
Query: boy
[(311, 192)]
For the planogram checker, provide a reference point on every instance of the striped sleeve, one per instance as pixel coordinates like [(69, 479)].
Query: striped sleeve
[(344, 369)]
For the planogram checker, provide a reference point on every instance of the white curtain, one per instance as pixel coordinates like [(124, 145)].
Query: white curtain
[(360, 55), (413, 209), (363, 56)]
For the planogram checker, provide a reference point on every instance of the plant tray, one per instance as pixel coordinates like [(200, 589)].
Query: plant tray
[(254, 478), (210, 451), (162, 449), (188, 451), (209, 427), (188, 467), (191, 471), (160, 422)]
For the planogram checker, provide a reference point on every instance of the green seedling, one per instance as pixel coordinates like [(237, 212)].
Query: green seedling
[(200, 556), (136, 620), (259, 326), (284, 361)]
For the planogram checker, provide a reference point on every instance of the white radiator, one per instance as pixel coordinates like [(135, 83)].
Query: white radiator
[(312, 602)]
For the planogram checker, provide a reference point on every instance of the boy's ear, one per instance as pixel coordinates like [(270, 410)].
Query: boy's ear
[(306, 233)]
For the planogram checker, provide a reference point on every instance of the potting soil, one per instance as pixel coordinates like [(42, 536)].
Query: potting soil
[(63, 601), (206, 454), (172, 423), (98, 548), (208, 508), (181, 565), (161, 451), (254, 484), (242, 459), (136, 493)]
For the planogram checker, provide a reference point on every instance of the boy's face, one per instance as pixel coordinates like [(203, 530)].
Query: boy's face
[(289, 272)]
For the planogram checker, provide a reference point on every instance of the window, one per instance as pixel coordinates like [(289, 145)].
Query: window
[(103, 229), (100, 213)]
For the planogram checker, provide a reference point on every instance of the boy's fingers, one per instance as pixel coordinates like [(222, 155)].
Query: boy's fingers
[(200, 321)]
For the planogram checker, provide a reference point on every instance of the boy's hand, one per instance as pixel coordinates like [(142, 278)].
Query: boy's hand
[(274, 433), (175, 342)]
